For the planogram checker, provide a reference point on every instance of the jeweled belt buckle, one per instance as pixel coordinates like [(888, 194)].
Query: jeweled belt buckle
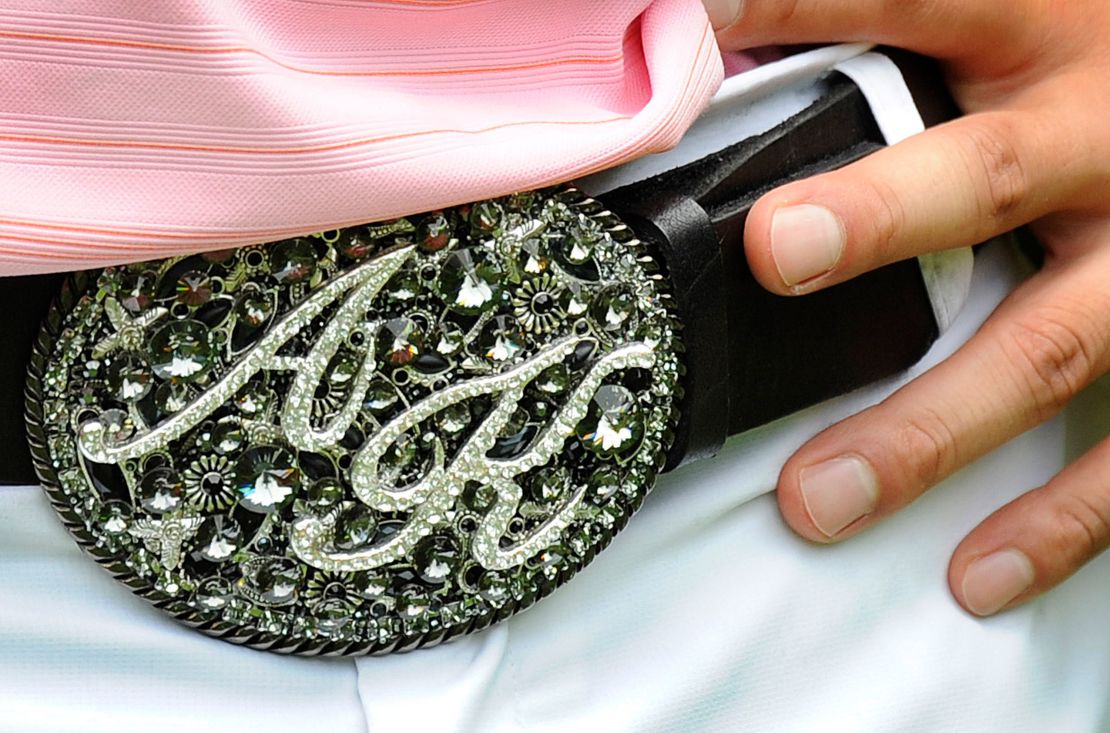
[(383, 437)]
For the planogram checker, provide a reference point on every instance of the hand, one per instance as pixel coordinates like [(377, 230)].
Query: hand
[(1034, 78)]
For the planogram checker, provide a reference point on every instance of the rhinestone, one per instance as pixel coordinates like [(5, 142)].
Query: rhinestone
[(605, 483), (180, 350), (272, 581), (324, 493), (501, 339), (405, 285), (551, 486), (470, 281), (116, 426), (355, 527), (577, 298), (453, 418), (217, 539), (613, 309), (138, 291), (343, 368), (380, 396), (493, 588), (194, 288), (171, 397), (532, 258), (485, 216), (293, 260), (553, 380), (371, 586), (479, 497), (130, 379), (227, 436), (160, 491), (254, 308), (252, 399), (614, 424), (434, 232), (435, 559), (212, 594), (266, 476), (399, 342), (114, 517), (356, 243), (448, 339)]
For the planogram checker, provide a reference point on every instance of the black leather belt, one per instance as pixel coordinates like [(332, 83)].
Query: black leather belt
[(383, 437)]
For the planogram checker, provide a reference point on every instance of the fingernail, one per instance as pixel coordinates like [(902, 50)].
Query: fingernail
[(723, 13), (838, 492), (806, 241), (993, 581)]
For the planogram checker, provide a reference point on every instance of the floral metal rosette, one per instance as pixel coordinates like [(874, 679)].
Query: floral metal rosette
[(365, 440)]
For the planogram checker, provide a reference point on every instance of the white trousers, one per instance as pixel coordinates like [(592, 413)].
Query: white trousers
[(705, 614)]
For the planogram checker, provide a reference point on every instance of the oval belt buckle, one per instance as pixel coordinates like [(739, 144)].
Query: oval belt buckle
[(366, 440)]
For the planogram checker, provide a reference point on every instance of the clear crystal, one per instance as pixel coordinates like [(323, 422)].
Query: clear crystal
[(130, 379), (614, 424), (218, 538), (160, 491), (180, 350), (266, 476), (614, 309), (470, 281), (501, 339)]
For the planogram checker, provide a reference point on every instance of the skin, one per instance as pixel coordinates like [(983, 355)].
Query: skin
[(1033, 77)]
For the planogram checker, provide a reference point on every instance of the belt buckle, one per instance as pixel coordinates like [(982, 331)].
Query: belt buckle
[(366, 440)]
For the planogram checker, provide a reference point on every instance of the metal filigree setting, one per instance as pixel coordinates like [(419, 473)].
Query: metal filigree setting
[(366, 440)]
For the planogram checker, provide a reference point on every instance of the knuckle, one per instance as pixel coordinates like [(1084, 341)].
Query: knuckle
[(1054, 360), (1084, 527), (994, 161), (888, 218), (927, 447)]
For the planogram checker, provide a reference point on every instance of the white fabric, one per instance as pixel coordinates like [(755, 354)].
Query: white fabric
[(706, 614)]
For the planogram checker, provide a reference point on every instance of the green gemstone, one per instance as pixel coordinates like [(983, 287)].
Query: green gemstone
[(501, 339), (532, 258), (551, 486), (130, 379), (227, 437), (293, 260), (324, 493), (171, 397), (486, 216), (470, 281), (453, 418), (605, 483), (448, 339), (435, 559), (614, 424), (180, 350), (355, 528), (614, 309), (380, 396), (553, 380), (254, 308)]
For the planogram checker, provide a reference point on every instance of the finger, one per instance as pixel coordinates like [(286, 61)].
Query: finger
[(991, 28), (1043, 345), (954, 185), (1037, 541)]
